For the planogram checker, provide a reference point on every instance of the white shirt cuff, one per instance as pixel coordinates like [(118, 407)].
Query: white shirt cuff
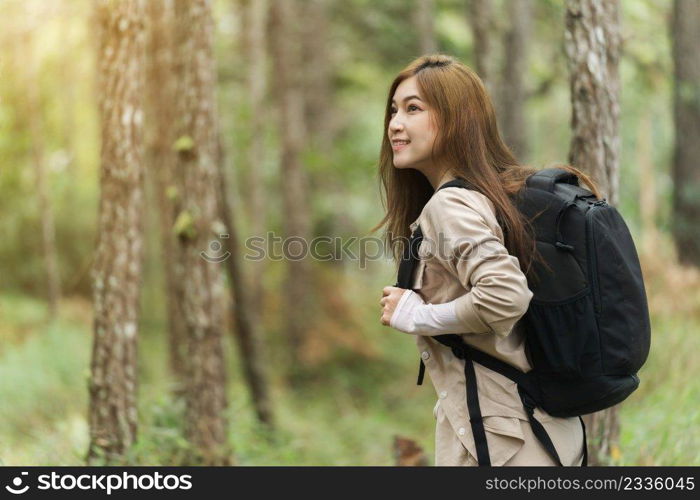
[(414, 316)]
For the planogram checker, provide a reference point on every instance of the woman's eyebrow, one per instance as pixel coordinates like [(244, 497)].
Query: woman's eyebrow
[(407, 98)]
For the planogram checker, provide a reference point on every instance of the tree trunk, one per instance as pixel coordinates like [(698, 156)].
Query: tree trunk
[(118, 257), (592, 47), (514, 70), (248, 294), (648, 197), (425, 25), (69, 101), (317, 89), (295, 192), (197, 226), (686, 117), (480, 18), (246, 332), (161, 158), (48, 231), (257, 15), (593, 51)]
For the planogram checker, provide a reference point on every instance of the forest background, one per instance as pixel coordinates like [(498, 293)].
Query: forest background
[(302, 82)]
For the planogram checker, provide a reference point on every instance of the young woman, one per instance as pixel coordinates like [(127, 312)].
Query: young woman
[(474, 259)]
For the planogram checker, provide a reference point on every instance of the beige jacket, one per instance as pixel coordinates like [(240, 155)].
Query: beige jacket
[(462, 257)]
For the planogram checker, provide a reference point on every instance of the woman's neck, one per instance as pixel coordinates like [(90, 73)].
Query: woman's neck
[(438, 178)]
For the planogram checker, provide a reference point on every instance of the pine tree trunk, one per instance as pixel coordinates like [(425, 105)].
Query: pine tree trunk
[(686, 115), (321, 115), (592, 47), (515, 68), (161, 158), (256, 47), (197, 225), (246, 332), (593, 51), (295, 191), (118, 257)]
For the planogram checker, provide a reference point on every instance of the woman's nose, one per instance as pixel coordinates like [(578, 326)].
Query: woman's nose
[(395, 125)]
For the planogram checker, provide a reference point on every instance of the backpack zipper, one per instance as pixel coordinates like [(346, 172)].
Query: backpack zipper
[(593, 258)]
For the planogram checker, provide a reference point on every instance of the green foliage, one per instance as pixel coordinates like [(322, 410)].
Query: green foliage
[(660, 420), (43, 382)]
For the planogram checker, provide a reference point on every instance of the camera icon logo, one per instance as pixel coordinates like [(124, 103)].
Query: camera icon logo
[(216, 248), (17, 483)]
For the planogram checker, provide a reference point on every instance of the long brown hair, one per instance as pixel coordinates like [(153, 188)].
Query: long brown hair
[(469, 142)]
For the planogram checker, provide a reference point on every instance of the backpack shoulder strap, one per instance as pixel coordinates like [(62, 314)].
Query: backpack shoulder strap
[(458, 182)]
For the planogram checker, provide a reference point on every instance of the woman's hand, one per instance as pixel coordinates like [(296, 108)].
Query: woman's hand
[(390, 299)]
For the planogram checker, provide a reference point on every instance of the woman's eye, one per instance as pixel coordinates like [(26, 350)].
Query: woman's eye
[(410, 107)]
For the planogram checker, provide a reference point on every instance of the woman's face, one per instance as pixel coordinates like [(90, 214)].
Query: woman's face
[(411, 130)]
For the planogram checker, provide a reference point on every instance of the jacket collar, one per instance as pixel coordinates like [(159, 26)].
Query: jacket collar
[(446, 177)]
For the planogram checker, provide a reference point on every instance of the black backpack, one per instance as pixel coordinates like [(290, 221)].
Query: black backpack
[(587, 326)]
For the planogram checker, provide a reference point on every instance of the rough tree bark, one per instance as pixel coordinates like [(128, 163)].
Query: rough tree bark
[(295, 192), (686, 115), (118, 257), (593, 50), (161, 158), (515, 68), (197, 225)]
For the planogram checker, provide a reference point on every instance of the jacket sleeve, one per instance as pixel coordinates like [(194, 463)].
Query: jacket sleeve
[(463, 226)]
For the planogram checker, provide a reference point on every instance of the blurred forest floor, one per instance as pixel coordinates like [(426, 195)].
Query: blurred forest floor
[(351, 404)]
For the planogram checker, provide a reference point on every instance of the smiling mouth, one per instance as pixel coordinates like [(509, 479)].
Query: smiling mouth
[(399, 145)]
